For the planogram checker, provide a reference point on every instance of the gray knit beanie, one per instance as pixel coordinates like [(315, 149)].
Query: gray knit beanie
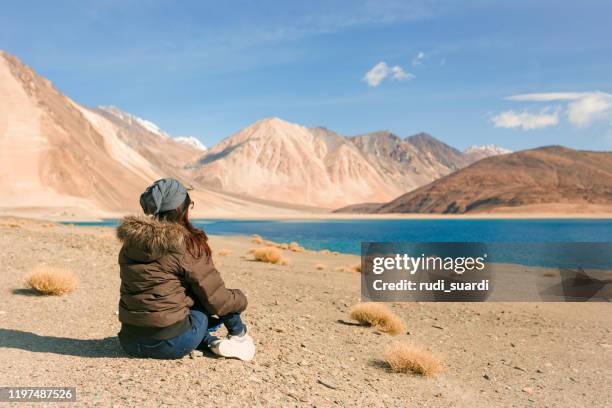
[(163, 195)]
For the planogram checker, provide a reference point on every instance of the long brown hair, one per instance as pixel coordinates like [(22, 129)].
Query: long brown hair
[(197, 240)]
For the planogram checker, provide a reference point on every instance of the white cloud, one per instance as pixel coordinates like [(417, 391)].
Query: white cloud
[(418, 59), (583, 108), (547, 97), (525, 120), (380, 71), (590, 108), (375, 76), (398, 73)]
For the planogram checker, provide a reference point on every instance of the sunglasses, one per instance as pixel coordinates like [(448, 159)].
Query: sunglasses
[(191, 204)]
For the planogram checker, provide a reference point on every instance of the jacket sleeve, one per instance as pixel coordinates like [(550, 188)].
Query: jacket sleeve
[(206, 283)]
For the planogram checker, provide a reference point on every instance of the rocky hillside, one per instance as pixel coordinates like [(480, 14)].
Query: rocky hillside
[(545, 176), (279, 160), (56, 154), (52, 154), (155, 145), (282, 161)]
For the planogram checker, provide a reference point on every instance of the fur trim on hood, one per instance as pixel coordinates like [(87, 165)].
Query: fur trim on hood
[(149, 238)]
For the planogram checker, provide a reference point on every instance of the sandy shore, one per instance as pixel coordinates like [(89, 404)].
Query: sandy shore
[(495, 354), (533, 212)]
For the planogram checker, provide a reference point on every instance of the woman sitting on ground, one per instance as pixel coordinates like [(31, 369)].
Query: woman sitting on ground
[(170, 289)]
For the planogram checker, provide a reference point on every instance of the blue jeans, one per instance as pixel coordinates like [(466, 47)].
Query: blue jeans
[(197, 337)]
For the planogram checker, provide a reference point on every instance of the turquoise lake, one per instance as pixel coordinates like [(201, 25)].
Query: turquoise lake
[(346, 235)]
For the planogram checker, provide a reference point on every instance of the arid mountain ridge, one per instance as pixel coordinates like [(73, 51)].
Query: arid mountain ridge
[(546, 179), (59, 158), (55, 153), (283, 161)]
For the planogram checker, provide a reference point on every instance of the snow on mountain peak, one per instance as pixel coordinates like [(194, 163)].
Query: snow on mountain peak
[(134, 120), (490, 149), (191, 141)]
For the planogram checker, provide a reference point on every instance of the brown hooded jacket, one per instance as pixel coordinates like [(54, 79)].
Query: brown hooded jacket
[(161, 281)]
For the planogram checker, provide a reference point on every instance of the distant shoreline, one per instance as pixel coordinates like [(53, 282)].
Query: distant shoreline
[(68, 216), (488, 216)]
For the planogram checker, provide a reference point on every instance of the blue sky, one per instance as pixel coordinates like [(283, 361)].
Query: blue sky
[(518, 74)]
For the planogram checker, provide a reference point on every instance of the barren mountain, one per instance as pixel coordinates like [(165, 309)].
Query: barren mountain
[(57, 157), (408, 163), (435, 151), (540, 178), (283, 161), (58, 154), (52, 155)]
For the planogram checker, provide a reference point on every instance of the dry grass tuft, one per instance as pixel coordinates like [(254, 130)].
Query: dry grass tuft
[(47, 280), (335, 253), (550, 273), (257, 239), (224, 252), (269, 254), (404, 358), (295, 247), (320, 267), (379, 316), (11, 223), (356, 268)]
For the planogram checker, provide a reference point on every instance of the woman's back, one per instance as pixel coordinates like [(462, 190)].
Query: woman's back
[(153, 292), (152, 289)]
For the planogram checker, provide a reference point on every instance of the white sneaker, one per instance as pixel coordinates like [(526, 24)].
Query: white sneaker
[(241, 348)]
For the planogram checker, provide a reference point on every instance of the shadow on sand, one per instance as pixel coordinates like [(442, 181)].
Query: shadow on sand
[(349, 323), (380, 364), (95, 348), (25, 292)]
